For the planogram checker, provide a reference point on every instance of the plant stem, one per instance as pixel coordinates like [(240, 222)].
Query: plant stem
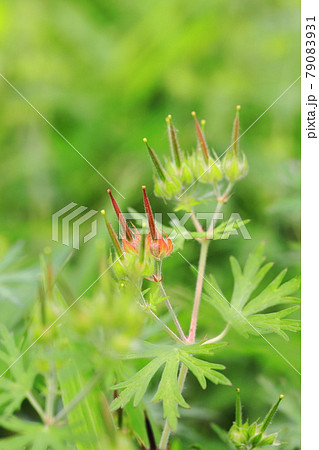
[(172, 312), (192, 332), (198, 226), (218, 337), (167, 302), (50, 398), (198, 290), (220, 204), (169, 331), (194, 319), (36, 405)]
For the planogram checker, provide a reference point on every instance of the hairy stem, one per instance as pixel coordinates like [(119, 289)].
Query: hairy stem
[(194, 319), (196, 223), (198, 290), (168, 303)]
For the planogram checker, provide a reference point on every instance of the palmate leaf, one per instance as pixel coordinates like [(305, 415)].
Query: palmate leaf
[(35, 435), (18, 381), (168, 390), (246, 312)]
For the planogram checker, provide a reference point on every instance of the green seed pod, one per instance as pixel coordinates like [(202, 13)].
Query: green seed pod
[(234, 164)]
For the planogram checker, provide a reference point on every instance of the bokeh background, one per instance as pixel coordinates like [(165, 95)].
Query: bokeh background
[(106, 74)]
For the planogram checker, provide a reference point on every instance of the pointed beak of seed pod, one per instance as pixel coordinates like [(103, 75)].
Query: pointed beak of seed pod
[(235, 137), (201, 139), (149, 214), (156, 162), (159, 246), (121, 219)]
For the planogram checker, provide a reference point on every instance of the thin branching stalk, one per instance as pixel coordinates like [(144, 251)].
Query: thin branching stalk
[(194, 319), (169, 331), (151, 313), (198, 226), (36, 405), (51, 394), (168, 303), (198, 290)]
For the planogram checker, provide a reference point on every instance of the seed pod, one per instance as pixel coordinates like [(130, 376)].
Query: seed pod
[(270, 414), (235, 165), (160, 247), (173, 141), (156, 162), (238, 408), (201, 139), (113, 235), (118, 212)]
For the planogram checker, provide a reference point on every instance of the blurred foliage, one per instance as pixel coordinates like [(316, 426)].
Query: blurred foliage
[(106, 74)]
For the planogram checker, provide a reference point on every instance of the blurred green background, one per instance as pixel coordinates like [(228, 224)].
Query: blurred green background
[(106, 74)]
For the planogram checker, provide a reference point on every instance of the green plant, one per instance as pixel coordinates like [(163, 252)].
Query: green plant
[(247, 436), (189, 179), (74, 382)]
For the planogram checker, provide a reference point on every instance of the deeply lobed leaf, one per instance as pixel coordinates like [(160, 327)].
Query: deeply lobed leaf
[(243, 312), (168, 391)]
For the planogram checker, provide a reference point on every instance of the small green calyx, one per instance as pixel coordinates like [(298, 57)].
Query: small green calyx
[(184, 170), (245, 435)]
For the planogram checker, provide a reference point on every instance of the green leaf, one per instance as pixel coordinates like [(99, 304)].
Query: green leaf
[(245, 312), (16, 382), (168, 391), (35, 435), (17, 285)]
